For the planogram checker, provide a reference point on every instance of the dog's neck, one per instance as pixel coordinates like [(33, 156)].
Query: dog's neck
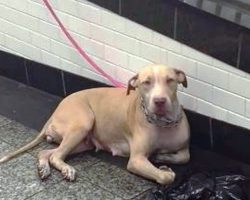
[(168, 121)]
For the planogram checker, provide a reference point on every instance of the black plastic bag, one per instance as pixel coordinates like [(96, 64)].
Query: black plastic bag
[(205, 186)]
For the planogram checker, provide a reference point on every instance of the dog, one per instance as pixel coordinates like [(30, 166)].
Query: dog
[(136, 122)]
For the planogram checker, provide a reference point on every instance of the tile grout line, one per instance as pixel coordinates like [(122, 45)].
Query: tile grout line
[(102, 188), (28, 197), (95, 184), (45, 188), (26, 72), (211, 136), (120, 7), (239, 50), (175, 23), (63, 83), (145, 192)]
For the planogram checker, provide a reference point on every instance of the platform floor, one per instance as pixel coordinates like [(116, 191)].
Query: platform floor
[(99, 176)]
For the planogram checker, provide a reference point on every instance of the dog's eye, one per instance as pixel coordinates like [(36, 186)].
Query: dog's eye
[(146, 82), (170, 80)]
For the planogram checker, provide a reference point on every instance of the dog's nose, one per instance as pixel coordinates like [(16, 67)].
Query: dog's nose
[(160, 101)]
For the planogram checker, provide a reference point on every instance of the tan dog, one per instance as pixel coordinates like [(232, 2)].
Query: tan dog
[(124, 122)]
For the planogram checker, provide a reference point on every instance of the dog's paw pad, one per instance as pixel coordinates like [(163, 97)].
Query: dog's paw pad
[(43, 170), (69, 173)]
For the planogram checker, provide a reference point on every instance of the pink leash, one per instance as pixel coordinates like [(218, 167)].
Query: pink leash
[(79, 49)]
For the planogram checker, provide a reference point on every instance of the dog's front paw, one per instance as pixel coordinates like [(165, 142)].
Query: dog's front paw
[(69, 173), (43, 170), (166, 176), (162, 158)]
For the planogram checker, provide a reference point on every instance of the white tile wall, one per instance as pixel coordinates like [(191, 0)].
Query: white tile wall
[(50, 58), (220, 113), (69, 6), (2, 39), (228, 68), (113, 22), (209, 6), (18, 17), (36, 10), (40, 41), (188, 101), (245, 20), (125, 43), (165, 42), (228, 13), (207, 73), (195, 55), (75, 24), (239, 85), (152, 53), (228, 101), (49, 30), (135, 63), (184, 63), (23, 48), (11, 30), (17, 5), (239, 120), (92, 46), (101, 34), (88, 13), (138, 31), (122, 47), (205, 107), (248, 108), (199, 89), (116, 56)]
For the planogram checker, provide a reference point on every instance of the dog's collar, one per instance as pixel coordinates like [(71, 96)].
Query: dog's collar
[(158, 120)]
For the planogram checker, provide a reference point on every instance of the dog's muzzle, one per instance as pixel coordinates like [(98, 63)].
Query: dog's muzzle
[(161, 121)]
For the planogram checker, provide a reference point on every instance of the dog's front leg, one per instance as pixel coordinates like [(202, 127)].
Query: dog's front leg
[(140, 165), (180, 157)]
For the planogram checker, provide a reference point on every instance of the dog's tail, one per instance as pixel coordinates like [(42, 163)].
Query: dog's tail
[(26, 147)]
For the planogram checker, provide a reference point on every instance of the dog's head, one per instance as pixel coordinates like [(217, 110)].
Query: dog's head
[(157, 85)]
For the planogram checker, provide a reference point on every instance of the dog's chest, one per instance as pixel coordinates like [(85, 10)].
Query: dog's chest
[(172, 139)]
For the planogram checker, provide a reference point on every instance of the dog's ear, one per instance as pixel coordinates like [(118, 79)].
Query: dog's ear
[(181, 77), (132, 83)]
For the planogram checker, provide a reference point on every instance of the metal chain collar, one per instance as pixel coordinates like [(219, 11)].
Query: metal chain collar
[(160, 120)]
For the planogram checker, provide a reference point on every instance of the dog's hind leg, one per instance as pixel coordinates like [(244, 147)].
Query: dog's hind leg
[(66, 147), (43, 163), (75, 135)]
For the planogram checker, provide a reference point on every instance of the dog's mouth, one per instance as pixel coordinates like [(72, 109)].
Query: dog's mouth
[(160, 111), (159, 116)]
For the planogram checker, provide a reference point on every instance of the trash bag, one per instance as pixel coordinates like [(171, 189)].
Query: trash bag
[(205, 186)]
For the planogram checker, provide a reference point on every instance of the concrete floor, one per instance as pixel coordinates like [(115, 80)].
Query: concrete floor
[(97, 178)]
